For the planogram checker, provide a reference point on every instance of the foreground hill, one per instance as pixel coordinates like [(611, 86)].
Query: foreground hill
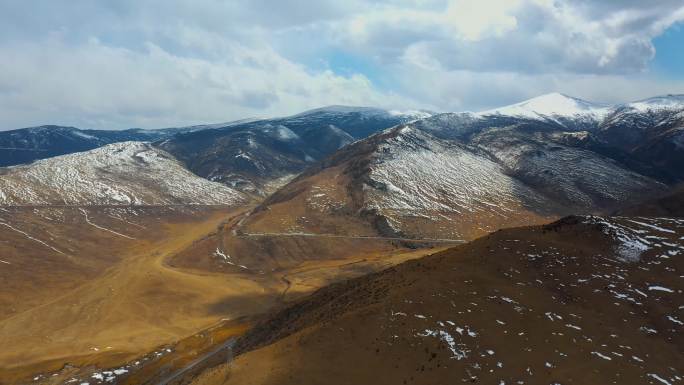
[(459, 176), (251, 155), (583, 300), (127, 173)]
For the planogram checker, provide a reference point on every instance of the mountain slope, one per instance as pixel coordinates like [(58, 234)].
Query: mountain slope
[(25, 145), (651, 133), (28, 144), (127, 173), (461, 175), (251, 155), (561, 303), (452, 176), (646, 136)]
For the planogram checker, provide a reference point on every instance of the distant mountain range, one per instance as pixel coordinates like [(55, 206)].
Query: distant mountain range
[(28, 144), (461, 175), (246, 154), (647, 136), (25, 145), (251, 155), (548, 156)]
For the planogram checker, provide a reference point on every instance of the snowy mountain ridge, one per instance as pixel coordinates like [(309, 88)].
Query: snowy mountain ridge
[(558, 105), (250, 155), (552, 105), (125, 173), (461, 175), (666, 102), (497, 175)]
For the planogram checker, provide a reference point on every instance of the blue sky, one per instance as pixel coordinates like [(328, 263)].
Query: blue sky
[(669, 56), (162, 63)]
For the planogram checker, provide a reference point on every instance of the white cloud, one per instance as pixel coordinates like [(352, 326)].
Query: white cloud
[(171, 62), (474, 19), (94, 85), (514, 35)]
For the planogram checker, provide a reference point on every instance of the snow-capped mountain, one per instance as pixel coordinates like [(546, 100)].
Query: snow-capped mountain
[(552, 107), (645, 136), (248, 154), (659, 103), (126, 173), (560, 105), (459, 175), (252, 155), (352, 119), (257, 155)]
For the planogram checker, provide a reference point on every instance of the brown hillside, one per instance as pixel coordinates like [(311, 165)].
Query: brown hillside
[(582, 301)]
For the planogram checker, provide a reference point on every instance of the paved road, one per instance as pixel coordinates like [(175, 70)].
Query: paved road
[(114, 206), (439, 240), (180, 372)]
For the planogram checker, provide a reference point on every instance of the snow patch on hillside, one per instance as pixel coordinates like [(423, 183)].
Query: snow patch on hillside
[(417, 174), (125, 173), (580, 178), (635, 237), (285, 133), (83, 135), (411, 114)]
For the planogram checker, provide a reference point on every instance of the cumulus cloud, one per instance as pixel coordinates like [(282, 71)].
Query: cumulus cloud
[(95, 85), (518, 35), (163, 63)]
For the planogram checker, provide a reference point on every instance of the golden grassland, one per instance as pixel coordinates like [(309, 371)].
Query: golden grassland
[(121, 298)]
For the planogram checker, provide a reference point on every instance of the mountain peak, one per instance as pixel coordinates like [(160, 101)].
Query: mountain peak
[(554, 104)]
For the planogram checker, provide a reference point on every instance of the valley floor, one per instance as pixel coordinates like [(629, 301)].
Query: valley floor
[(108, 294)]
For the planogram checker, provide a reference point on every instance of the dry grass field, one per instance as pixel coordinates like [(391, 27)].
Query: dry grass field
[(94, 288), (564, 303), (112, 299)]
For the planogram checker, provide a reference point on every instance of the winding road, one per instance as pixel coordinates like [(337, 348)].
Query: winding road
[(434, 240), (182, 371)]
